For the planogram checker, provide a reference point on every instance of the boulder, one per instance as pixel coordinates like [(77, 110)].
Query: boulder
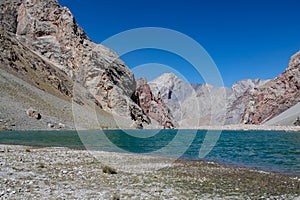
[(297, 122), (61, 125), (50, 125), (33, 114)]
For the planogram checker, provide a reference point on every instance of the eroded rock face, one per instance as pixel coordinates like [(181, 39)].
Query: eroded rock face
[(52, 32), (193, 105), (275, 96), (22, 62), (152, 104), (173, 91), (238, 97), (8, 14)]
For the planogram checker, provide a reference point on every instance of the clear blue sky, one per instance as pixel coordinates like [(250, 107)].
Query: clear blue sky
[(245, 38)]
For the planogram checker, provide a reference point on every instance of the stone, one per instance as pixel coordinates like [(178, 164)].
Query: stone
[(297, 122), (50, 125), (33, 114), (61, 125)]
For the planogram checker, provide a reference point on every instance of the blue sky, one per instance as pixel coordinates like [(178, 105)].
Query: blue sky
[(246, 39)]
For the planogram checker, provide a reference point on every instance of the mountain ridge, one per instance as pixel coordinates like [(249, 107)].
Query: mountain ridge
[(42, 44), (192, 105)]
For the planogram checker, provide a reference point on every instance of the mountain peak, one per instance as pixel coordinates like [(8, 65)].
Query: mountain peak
[(167, 76)]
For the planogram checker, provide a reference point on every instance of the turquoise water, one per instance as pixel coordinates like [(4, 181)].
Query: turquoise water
[(274, 151)]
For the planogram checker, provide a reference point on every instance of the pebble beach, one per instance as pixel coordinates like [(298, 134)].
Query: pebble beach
[(62, 173)]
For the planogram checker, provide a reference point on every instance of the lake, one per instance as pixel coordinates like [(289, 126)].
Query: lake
[(271, 151)]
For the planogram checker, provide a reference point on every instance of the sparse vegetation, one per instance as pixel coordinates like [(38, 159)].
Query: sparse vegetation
[(77, 173), (5, 129), (108, 170)]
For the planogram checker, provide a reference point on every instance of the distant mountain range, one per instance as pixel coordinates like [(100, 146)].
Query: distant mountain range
[(49, 64), (193, 105)]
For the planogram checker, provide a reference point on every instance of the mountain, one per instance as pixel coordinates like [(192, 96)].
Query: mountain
[(193, 105), (172, 91), (54, 76), (152, 104), (28, 81), (275, 96), (43, 45), (238, 97), (287, 118), (270, 102)]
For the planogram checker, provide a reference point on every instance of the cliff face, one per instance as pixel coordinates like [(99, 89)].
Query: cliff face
[(275, 96), (51, 32), (193, 105), (238, 97), (173, 91), (8, 14), (22, 62), (152, 104)]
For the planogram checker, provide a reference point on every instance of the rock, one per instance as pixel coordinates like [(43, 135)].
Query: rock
[(50, 125), (61, 125), (139, 118), (108, 170), (51, 32), (8, 14), (297, 122), (19, 60), (193, 105), (237, 99), (275, 96), (152, 105), (168, 125), (33, 113)]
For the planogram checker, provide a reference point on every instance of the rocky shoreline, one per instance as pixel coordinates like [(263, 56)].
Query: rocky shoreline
[(246, 127), (224, 128), (62, 173)]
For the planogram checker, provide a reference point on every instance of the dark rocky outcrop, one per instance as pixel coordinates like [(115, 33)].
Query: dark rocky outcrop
[(152, 104)]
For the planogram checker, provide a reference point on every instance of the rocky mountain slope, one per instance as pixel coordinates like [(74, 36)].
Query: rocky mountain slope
[(153, 105), (44, 50), (275, 96), (29, 81), (193, 105), (172, 91), (237, 99), (246, 102), (287, 118), (42, 45)]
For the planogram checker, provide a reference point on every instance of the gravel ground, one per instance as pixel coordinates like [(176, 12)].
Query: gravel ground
[(62, 173)]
